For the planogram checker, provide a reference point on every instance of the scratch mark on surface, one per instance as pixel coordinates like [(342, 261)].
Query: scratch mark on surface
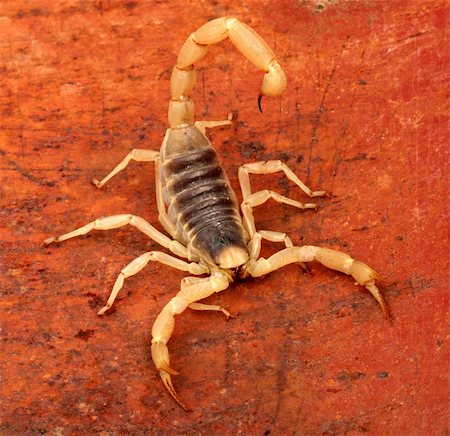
[(25, 173), (321, 109), (343, 132), (285, 352)]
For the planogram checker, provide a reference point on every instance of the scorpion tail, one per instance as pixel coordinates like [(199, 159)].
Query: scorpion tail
[(247, 41)]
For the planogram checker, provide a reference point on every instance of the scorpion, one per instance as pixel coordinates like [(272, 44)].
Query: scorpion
[(198, 207)]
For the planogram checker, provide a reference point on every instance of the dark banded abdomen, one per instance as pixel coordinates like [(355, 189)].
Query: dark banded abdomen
[(198, 195)]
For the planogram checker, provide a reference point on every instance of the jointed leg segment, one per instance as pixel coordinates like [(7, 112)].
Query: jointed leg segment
[(205, 124), (212, 307), (116, 221), (137, 155), (140, 262), (251, 200), (259, 198), (140, 155), (270, 167)]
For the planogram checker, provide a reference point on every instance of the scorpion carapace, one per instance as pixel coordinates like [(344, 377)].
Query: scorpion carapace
[(198, 208)]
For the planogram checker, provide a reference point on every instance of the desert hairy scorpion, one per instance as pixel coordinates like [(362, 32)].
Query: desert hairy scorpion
[(198, 208)]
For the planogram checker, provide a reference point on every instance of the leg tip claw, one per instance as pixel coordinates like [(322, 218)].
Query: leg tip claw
[(49, 241), (103, 310), (96, 182)]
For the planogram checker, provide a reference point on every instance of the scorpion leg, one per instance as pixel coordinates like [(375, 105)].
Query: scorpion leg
[(140, 262), (260, 197), (203, 125), (115, 221), (268, 235), (269, 167), (140, 155), (250, 200), (333, 259), (136, 154), (213, 307), (192, 290)]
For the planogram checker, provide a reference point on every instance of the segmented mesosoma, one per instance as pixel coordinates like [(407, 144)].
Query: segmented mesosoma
[(198, 208)]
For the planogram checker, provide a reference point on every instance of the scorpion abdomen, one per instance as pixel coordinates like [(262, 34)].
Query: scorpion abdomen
[(200, 201)]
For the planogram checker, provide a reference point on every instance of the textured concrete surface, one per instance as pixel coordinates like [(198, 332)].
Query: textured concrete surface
[(365, 117)]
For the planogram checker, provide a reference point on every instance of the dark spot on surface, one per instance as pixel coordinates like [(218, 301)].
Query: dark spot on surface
[(251, 149), (284, 156), (84, 334), (130, 5), (362, 82), (333, 390), (400, 237), (36, 12), (344, 375), (95, 301), (359, 156), (360, 229), (383, 374)]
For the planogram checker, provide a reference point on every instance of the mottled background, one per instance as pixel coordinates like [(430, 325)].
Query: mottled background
[(365, 117)]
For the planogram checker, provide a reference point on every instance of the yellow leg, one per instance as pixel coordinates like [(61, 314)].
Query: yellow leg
[(140, 262), (140, 155), (116, 221), (213, 307), (251, 200), (137, 155), (203, 125), (260, 197), (270, 167)]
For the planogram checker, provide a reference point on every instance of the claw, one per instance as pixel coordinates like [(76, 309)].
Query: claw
[(160, 355), (165, 377), (366, 276), (49, 241), (377, 295)]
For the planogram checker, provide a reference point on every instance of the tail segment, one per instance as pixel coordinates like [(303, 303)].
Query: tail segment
[(247, 41)]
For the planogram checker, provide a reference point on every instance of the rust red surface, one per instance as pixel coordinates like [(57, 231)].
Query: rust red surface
[(365, 117)]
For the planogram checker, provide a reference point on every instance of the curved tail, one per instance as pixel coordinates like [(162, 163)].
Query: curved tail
[(248, 42)]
